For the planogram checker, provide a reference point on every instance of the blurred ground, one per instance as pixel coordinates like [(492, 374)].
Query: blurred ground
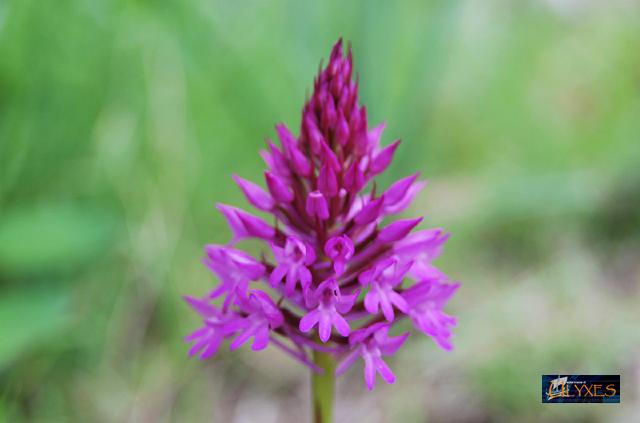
[(121, 123)]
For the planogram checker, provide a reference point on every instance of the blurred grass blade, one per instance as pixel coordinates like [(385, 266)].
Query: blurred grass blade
[(29, 317), (51, 238)]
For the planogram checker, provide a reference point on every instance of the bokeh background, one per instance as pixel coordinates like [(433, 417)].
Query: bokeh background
[(121, 123)]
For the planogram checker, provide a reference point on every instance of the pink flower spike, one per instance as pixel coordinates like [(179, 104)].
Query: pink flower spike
[(258, 197), (324, 243), (317, 205)]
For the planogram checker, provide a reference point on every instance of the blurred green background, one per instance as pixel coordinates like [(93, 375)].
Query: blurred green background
[(121, 123)]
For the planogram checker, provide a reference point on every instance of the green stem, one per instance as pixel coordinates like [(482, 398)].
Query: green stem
[(322, 387)]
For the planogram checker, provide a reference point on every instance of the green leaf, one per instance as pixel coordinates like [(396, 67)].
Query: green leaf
[(29, 317), (55, 237)]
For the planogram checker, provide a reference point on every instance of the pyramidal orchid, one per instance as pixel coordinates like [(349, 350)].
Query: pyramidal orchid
[(338, 269)]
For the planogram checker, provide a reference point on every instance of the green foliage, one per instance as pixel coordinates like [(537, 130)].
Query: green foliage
[(51, 238), (30, 318)]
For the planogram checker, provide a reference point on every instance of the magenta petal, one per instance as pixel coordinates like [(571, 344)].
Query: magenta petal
[(196, 334), (398, 230), (370, 212), (327, 181), (292, 278), (371, 302), (245, 225), (211, 349), (406, 200), (305, 276), (340, 324), (399, 188), (354, 179), (198, 346), (383, 159), (241, 339), (367, 276), (387, 308), (324, 327), (315, 137), (261, 339), (277, 275), (393, 344), (344, 303), (255, 194), (309, 320), (264, 306), (256, 227), (375, 135), (317, 205), (286, 137), (276, 160), (278, 188), (233, 220), (202, 307), (398, 301), (342, 133), (330, 158), (300, 163), (385, 371), (369, 372)]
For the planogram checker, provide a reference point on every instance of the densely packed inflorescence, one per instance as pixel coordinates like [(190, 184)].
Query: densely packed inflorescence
[(338, 278)]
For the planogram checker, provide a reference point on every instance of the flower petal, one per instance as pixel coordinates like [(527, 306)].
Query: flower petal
[(309, 320)]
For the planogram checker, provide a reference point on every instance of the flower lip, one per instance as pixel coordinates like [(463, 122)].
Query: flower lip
[(340, 250)]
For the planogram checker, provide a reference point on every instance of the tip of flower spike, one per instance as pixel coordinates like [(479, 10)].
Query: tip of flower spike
[(336, 50)]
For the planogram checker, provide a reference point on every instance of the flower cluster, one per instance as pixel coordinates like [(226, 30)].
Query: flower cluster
[(334, 277)]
